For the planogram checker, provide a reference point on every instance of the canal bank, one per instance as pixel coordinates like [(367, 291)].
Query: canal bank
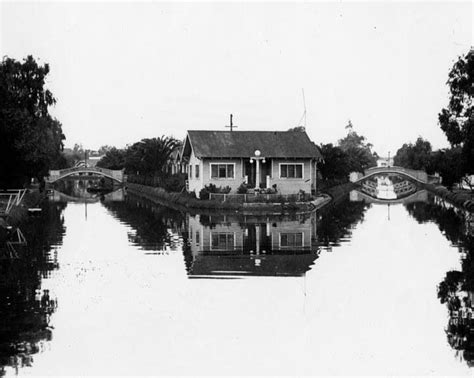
[(187, 202), (462, 199)]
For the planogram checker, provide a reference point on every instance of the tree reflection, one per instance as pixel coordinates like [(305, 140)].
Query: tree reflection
[(336, 220), (25, 306), (150, 222), (457, 288)]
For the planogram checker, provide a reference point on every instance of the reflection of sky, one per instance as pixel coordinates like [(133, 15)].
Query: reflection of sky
[(368, 307)]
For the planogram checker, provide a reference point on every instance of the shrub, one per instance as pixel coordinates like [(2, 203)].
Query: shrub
[(211, 188), (243, 188), (175, 183)]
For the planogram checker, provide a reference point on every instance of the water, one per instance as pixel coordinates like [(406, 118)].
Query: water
[(123, 286)]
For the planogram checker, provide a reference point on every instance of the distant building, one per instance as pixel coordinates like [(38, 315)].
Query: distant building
[(385, 162), (284, 160)]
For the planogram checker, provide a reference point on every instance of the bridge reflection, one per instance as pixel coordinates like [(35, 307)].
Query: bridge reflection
[(418, 196), (115, 196)]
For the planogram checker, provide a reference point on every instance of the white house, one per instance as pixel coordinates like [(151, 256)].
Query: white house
[(285, 160)]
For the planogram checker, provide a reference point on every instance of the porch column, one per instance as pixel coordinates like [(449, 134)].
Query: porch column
[(257, 178), (257, 239)]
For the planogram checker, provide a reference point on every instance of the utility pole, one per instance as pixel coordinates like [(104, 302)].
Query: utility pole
[(231, 124)]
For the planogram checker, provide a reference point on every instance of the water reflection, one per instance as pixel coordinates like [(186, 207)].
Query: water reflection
[(457, 288), (154, 227), (27, 257), (387, 187), (90, 190), (229, 245), (137, 300)]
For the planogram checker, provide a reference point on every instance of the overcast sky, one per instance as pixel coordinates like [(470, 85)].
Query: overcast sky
[(126, 71)]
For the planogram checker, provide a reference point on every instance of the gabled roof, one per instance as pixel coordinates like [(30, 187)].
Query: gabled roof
[(236, 144)]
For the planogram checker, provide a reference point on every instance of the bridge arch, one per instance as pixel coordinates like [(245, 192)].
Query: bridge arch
[(411, 174), (55, 175)]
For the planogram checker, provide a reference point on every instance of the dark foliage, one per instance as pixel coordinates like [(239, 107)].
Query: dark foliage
[(30, 139), (457, 120)]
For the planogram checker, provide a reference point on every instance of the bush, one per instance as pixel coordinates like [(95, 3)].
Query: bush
[(243, 188), (175, 183), (211, 188)]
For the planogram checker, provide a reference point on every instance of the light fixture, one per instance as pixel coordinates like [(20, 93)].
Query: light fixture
[(257, 153), (251, 161)]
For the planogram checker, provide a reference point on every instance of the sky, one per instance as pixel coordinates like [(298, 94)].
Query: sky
[(125, 71)]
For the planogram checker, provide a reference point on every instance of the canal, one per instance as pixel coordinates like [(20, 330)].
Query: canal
[(119, 285)]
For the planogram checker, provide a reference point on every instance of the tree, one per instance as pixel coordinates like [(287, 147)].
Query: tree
[(114, 158), (30, 139), (457, 120), (335, 167), (449, 164), (104, 149), (360, 156), (301, 129), (414, 156)]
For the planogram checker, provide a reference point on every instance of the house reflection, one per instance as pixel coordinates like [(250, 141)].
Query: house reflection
[(238, 246)]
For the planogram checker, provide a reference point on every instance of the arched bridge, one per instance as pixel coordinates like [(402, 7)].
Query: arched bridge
[(55, 175), (411, 174)]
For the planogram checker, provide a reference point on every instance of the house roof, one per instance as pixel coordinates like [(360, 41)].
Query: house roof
[(232, 144)]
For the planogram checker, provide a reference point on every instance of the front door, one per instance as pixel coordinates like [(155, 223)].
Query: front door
[(251, 173)]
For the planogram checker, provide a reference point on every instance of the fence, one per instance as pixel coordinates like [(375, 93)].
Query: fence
[(260, 198)]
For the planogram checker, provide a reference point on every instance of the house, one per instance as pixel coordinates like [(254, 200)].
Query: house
[(175, 163), (282, 160)]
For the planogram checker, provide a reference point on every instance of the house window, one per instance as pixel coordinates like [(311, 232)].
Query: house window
[(291, 240), (222, 171), (190, 173), (198, 238), (222, 240), (197, 171), (291, 170)]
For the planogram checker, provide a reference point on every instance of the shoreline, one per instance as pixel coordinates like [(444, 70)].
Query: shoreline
[(184, 202), (463, 200)]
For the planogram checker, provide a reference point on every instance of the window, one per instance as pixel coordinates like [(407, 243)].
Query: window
[(291, 170), (197, 171), (291, 240), (222, 171), (190, 173), (222, 240), (198, 238)]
